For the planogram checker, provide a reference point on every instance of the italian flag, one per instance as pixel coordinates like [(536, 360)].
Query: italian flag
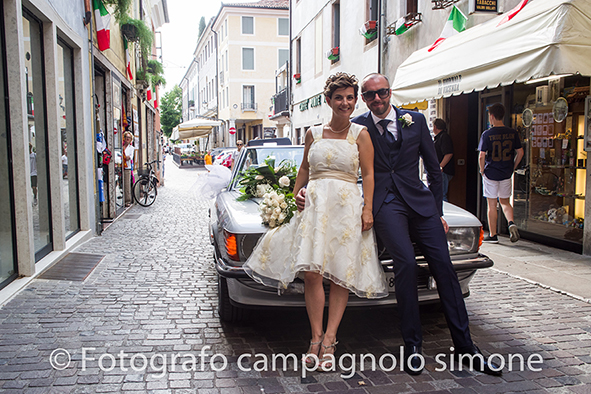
[(127, 59), (455, 24), (149, 93), (401, 26), (513, 12), (103, 25)]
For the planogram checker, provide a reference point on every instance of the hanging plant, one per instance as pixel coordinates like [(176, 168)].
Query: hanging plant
[(156, 71), (120, 8), (142, 33)]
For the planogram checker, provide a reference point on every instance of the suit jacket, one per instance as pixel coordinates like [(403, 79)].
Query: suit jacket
[(403, 172)]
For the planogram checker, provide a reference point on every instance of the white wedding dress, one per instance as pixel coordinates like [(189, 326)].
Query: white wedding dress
[(326, 236)]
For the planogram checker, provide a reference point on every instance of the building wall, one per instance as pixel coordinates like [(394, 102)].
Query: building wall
[(312, 24)]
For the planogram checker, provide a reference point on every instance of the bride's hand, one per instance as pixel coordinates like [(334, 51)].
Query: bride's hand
[(366, 219)]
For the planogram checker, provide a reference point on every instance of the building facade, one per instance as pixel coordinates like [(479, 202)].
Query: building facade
[(54, 80)]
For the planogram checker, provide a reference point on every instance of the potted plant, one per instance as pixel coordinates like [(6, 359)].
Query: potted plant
[(297, 77), (138, 32), (120, 8), (369, 30)]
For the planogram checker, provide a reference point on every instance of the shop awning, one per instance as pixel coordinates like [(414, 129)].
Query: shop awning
[(546, 37), (194, 128)]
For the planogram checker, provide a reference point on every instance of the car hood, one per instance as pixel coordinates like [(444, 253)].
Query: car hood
[(458, 217), (244, 217), (239, 217)]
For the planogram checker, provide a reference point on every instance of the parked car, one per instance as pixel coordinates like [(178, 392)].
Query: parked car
[(224, 157), (187, 149), (235, 227)]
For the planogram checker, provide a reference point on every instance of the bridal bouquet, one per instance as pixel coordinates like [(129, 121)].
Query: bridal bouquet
[(274, 185)]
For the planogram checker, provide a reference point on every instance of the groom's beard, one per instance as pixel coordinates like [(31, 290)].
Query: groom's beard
[(380, 108)]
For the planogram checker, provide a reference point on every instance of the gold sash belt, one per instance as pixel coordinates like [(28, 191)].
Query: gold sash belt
[(329, 174)]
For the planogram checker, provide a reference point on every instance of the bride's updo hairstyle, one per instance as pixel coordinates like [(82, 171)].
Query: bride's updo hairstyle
[(338, 81)]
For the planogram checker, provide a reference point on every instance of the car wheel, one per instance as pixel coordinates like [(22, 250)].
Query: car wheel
[(227, 312)]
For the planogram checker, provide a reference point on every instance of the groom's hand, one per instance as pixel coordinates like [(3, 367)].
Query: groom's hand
[(301, 199), (445, 225)]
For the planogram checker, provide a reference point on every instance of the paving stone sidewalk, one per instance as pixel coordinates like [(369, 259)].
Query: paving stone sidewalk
[(154, 298)]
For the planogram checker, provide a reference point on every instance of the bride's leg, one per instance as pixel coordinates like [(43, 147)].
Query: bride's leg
[(337, 302), (314, 295)]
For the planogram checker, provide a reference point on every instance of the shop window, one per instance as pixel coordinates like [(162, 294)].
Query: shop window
[(7, 237), (67, 121), (37, 134), (549, 186)]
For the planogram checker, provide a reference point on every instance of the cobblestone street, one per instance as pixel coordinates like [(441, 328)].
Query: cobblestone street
[(154, 297)]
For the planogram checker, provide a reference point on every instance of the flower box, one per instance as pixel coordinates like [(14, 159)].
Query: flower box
[(297, 77), (333, 54), (371, 25)]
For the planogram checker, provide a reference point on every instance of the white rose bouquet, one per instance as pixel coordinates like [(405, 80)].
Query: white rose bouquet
[(274, 185)]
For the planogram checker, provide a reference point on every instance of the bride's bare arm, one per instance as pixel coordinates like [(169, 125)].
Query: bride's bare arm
[(304, 171), (366, 163)]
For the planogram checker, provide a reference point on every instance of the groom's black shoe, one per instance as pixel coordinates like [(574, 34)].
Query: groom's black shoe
[(413, 360), (474, 359)]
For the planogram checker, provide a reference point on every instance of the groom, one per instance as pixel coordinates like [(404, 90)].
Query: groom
[(405, 210)]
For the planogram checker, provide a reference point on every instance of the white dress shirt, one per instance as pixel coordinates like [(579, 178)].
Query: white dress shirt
[(391, 126)]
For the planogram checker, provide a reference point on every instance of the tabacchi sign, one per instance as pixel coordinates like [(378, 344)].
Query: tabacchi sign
[(449, 85), (484, 6)]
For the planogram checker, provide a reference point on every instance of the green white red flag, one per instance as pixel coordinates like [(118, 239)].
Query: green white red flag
[(103, 25), (127, 59), (455, 24), (149, 93), (401, 26)]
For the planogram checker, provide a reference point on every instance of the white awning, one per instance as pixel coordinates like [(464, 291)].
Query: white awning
[(547, 37), (194, 128)]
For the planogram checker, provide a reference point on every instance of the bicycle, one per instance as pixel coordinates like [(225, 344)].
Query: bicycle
[(145, 189)]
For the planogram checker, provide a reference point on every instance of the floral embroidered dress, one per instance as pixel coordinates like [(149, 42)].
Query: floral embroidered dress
[(326, 236)]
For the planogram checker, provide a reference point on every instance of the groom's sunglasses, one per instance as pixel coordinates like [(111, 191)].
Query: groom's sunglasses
[(371, 94)]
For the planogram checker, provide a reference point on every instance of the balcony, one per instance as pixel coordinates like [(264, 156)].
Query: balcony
[(248, 107), (280, 102)]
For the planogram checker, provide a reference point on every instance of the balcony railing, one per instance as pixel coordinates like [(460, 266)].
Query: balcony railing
[(280, 102), (249, 107)]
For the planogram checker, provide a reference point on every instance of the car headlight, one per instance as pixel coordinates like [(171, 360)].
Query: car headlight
[(463, 239)]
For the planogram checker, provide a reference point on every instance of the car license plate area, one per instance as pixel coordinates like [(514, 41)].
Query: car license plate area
[(423, 281)]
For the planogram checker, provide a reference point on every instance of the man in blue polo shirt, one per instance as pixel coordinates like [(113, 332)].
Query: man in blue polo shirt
[(500, 153)]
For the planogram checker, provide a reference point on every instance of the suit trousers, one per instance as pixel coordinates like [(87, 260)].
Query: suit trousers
[(397, 226)]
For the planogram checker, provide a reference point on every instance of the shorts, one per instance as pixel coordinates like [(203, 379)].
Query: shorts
[(33, 180), (494, 189)]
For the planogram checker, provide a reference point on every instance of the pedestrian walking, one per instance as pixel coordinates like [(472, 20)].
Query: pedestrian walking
[(500, 154), (444, 147)]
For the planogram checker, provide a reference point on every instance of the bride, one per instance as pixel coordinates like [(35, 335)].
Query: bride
[(330, 238)]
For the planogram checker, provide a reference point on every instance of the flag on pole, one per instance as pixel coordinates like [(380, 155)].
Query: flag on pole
[(149, 93), (513, 12), (401, 26), (127, 59), (103, 25), (455, 24)]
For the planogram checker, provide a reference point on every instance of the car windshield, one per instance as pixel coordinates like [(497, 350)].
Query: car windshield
[(257, 155)]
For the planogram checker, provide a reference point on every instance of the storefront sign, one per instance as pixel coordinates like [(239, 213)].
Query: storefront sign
[(449, 85), (315, 101), (484, 6)]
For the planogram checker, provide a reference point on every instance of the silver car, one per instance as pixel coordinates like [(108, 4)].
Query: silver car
[(235, 227)]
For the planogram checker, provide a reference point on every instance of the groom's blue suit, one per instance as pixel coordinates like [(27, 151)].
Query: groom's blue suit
[(406, 210)]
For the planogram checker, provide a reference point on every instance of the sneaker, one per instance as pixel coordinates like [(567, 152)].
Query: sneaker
[(514, 233), (491, 240)]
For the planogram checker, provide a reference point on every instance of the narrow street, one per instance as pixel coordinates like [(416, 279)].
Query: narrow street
[(152, 300)]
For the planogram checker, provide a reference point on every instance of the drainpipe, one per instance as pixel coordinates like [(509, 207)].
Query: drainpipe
[(217, 73), (382, 37)]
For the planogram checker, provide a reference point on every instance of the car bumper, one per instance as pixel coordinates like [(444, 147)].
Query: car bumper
[(245, 292)]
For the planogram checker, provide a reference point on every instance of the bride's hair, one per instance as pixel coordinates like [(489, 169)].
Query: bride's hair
[(340, 80)]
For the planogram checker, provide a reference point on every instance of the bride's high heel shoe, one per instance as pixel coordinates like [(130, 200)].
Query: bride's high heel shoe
[(308, 360), (326, 361)]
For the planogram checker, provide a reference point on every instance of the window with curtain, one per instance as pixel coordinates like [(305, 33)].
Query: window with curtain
[(283, 26), (248, 58), (247, 25)]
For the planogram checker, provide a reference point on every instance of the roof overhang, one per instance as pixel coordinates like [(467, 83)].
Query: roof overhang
[(547, 37), (194, 128)]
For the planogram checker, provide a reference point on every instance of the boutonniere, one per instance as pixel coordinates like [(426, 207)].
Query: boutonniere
[(406, 120)]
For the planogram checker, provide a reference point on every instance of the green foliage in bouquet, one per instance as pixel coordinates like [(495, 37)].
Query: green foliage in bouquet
[(257, 180), (274, 185)]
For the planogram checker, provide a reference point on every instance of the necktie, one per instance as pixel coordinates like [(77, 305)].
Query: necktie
[(389, 137)]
